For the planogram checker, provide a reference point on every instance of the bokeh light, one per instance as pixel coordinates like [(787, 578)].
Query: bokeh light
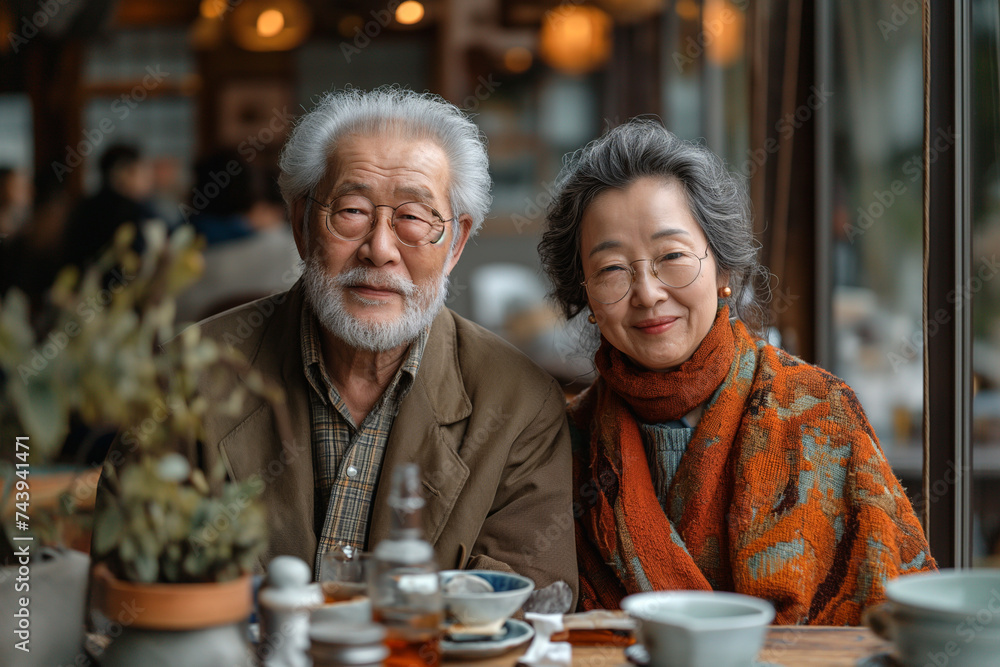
[(410, 12), (687, 10), (270, 23), (575, 39), (212, 9), (349, 25), (517, 59)]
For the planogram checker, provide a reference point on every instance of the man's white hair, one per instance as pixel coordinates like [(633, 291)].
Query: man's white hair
[(389, 109)]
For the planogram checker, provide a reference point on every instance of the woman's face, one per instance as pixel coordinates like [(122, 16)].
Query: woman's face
[(656, 326)]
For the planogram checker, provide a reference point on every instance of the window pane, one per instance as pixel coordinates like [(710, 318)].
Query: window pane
[(143, 70), (877, 219), (706, 76), (125, 55), (15, 132), (982, 286)]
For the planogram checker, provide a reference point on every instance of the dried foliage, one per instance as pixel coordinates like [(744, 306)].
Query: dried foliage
[(104, 356)]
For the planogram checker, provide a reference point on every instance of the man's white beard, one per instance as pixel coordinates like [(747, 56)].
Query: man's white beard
[(326, 296)]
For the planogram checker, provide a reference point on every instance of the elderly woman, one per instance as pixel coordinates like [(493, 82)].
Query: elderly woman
[(704, 457)]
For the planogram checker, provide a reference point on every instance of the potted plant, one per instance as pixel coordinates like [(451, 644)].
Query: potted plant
[(101, 353), (175, 562)]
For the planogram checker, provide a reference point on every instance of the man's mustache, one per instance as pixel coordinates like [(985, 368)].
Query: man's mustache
[(362, 276)]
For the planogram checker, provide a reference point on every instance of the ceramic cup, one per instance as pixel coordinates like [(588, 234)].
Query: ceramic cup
[(700, 628), (949, 618), (356, 610)]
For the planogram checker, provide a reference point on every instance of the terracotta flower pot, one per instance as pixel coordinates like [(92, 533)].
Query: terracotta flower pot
[(175, 624), (173, 606)]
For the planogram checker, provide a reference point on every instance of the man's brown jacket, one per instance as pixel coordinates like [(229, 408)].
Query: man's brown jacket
[(486, 426)]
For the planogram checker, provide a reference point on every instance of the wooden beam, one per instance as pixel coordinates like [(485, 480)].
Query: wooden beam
[(143, 13), (54, 71), (947, 328), (783, 181)]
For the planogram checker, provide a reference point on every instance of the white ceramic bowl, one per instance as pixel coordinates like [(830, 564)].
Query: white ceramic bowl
[(951, 617), (700, 628), (509, 592)]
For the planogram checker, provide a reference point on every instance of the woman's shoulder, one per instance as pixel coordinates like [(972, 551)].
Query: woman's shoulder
[(803, 389), (780, 367)]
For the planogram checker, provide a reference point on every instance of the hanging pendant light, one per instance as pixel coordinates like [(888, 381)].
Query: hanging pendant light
[(724, 25), (270, 25), (409, 13), (575, 39)]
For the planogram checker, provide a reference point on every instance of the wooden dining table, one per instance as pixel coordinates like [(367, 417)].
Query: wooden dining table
[(786, 646)]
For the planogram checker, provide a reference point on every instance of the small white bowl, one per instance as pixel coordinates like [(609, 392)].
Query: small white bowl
[(475, 609), (700, 628)]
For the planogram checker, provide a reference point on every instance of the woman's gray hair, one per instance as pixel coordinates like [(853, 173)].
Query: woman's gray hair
[(339, 114), (643, 148)]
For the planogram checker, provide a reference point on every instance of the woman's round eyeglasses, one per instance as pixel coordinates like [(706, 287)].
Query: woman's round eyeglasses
[(610, 284), (353, 217)]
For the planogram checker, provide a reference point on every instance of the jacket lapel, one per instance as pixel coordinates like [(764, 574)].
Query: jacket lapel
[(428, 430), (253, 447)]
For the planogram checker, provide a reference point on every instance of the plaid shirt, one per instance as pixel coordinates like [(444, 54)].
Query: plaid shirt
[(347, 458)]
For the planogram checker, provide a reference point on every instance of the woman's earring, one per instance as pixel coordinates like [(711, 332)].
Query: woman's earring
[(725, 292), (592, 319)]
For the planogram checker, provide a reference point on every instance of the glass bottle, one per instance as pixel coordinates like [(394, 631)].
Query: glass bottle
[(406, 593)]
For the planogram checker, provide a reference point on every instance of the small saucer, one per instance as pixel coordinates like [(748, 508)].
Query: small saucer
[(457, 632), (515, 634), (637, 655)]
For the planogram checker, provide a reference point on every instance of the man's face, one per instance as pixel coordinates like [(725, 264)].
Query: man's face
[(376, 293), (135, 180)]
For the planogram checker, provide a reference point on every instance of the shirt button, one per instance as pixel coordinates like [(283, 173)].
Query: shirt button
[(352, 471)]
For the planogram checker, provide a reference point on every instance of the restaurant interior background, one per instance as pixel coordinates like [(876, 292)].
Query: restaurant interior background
[(819, 104)]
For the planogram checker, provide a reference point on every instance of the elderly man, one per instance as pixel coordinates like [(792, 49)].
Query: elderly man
[(384, 189)]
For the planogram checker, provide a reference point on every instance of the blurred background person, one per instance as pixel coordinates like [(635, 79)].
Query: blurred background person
[(250, 250), (15, 200), (126, 184), (29, 258), (167, 190), (222, 196)]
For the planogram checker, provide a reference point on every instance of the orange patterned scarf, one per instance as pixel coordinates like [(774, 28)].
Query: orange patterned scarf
[(782, 493)]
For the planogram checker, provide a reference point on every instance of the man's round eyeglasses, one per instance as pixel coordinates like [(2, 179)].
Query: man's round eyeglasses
[(610, 284), (353, 217)]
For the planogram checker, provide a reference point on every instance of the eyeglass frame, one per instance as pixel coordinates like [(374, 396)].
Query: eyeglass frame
[(652, 269), (392, 226)]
